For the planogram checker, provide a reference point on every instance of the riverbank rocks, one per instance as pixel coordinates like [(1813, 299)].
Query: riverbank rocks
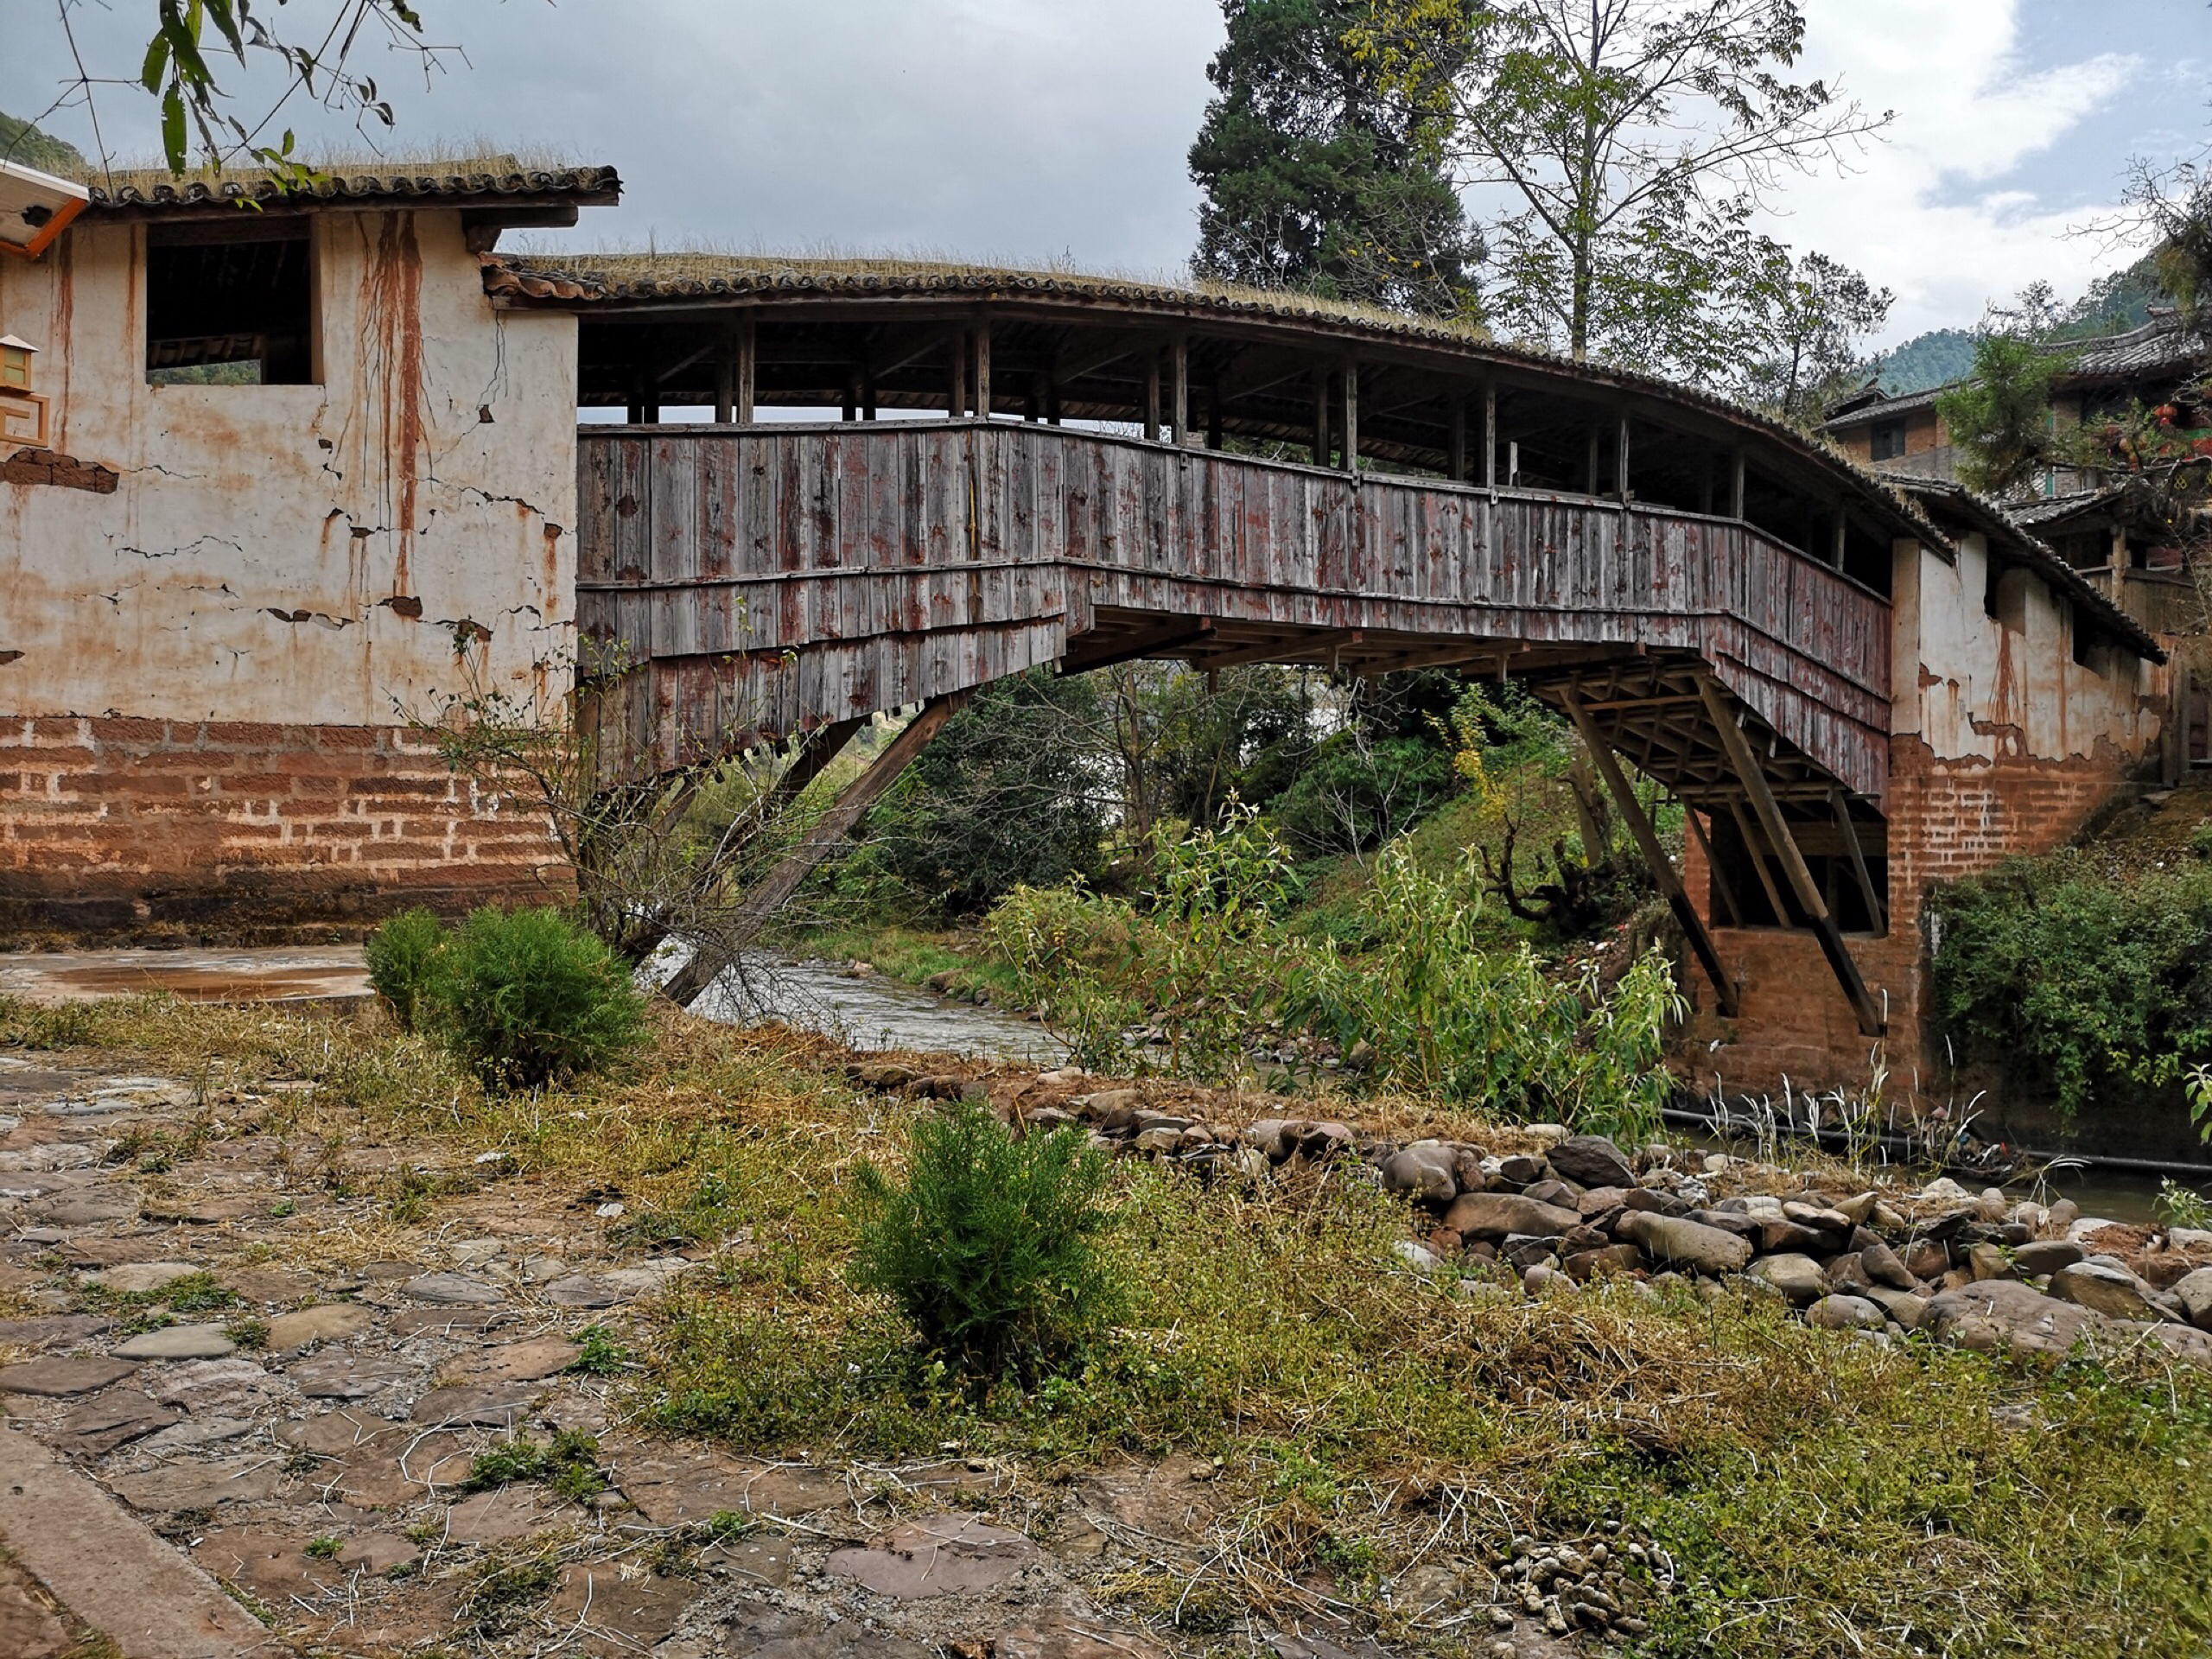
[(1799, 1278), (1591, 1161), (2112, 1291), (1496, 1216), (1685, 1243), (2193, 1292)]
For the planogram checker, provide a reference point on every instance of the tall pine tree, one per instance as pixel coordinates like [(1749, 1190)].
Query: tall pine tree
[(1314, 178)]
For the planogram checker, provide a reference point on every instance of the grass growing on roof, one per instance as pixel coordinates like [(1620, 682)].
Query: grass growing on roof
[(1821, 1495)]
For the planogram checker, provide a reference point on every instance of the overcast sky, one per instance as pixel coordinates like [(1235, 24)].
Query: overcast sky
[(1031, 130)]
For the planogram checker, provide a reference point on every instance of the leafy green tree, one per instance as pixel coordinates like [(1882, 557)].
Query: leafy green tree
[(1009, 792), (2000, 417), (1808, 316), (1316, 177), (1627, 143)]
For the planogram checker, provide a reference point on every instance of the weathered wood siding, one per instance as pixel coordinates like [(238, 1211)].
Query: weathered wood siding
[(769, 579)]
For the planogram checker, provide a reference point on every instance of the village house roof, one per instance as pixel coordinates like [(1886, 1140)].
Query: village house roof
[(675, 282), (498, 182)]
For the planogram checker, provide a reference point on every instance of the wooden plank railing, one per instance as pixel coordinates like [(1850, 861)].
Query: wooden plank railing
[(768, 579)]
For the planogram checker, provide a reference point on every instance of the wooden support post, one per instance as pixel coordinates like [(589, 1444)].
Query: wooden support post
[(1052, 394), (1736, 484), (982, 370), (725, 378), (1752, 776), (1213, 416), (1842, 529), (1755, 846), (1647, 839), (1620, 463), (1876, 910), (1721, 886), (1351, 421), (851, 405), (1179, 406), (1590, 472), (1152, 396), (710, 959), (748, 362), (2175, 759), (955, 388), (1705, 487), (867, 384), (1455, 456), (1320, 417), (1490, 435)]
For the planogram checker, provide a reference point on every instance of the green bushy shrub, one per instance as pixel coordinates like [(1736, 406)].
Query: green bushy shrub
[(990, 1246), (1447, 1013), (404, 957), (527, 997), (2087, 982)]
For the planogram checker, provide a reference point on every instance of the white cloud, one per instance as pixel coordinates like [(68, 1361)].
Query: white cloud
[(1936, 211)]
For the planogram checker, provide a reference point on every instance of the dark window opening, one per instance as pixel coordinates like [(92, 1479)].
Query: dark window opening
[(236, 311), (1735, 877), (1887, 440)]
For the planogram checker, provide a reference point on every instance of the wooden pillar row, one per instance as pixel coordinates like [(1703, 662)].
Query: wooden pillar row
[(1349, 419), (1490, 435)]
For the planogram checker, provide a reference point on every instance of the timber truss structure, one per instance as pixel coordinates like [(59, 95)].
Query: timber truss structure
[(905, 483)]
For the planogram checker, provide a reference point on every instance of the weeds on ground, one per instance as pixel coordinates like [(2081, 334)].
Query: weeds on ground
[(990, 1245), (568, 1465), (1821, 1495)]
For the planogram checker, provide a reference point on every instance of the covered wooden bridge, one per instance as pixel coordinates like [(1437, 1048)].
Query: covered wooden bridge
[(902, 482)]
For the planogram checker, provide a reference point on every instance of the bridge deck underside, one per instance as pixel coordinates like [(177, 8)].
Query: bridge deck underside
[(761, 581)]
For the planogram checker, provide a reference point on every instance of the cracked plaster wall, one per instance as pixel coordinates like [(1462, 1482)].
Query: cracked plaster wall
[(293, 554), (201, 673)]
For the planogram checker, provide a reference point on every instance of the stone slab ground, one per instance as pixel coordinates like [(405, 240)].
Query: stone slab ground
[(292, 1472)]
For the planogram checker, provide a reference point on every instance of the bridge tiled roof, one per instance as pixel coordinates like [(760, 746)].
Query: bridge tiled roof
[(659, 278)]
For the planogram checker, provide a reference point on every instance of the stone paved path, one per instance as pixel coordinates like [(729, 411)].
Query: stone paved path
[(201, 1366)]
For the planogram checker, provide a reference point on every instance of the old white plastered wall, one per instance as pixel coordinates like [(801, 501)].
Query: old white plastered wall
[(1975, 687), (301, 554)]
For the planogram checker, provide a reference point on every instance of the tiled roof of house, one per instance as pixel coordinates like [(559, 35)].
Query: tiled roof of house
[(486, 180)]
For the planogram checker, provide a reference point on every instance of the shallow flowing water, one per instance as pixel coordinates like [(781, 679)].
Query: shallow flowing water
[(872, 1012)]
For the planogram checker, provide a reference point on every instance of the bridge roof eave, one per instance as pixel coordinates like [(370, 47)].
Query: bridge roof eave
[(608, 284)]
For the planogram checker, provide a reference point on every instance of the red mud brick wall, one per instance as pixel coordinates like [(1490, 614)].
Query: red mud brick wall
[(1947, 819), (224, 833)]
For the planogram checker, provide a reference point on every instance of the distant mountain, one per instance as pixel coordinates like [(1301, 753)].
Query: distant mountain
[(2112, 305), (1935, 358), (24, 144)]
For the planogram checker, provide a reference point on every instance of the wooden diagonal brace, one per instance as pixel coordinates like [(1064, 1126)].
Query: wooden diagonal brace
[(1876, 910), (709, 958), (1647, 839), (1749, 772)]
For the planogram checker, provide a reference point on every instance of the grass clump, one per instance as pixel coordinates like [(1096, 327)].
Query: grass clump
[(568, 1465), (404, 957), (602, 1354), (523, 998), (990, 1246)]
